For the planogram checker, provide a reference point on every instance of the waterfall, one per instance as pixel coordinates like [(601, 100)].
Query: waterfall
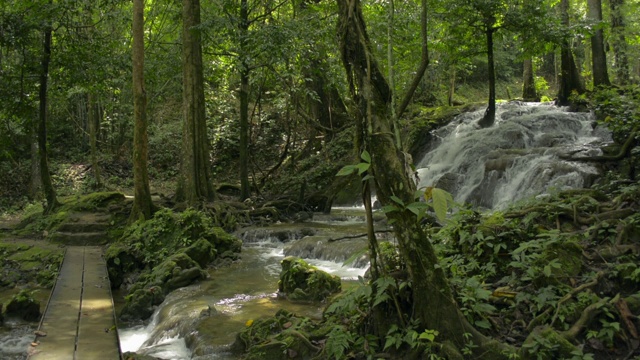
[(516, 158)]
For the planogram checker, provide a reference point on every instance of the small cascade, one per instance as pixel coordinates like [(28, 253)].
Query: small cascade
[(221, 305), (15, 338), (518, 157)]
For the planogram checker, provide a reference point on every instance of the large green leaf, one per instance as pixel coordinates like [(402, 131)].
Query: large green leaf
[(441, 201)]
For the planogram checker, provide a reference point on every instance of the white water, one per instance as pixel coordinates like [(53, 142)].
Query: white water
[(516, 158), (15, 339)]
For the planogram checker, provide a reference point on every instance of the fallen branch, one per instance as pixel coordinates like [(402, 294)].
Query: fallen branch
[(585, 318), (358, 235)]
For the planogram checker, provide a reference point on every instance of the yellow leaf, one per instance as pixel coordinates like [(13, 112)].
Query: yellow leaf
[(428, 193), (504, 292), (249, 322)]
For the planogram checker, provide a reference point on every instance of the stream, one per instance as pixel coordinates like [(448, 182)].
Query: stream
[(247, 290)]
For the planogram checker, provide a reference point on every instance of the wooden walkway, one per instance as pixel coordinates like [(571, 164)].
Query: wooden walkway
[(78, 323)]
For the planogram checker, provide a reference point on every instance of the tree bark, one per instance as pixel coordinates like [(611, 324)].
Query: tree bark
[(619, 42), (570, 80), (195, 181), (433, 301), (490, 114), (598, 55), (94, 125), (245, 191), (47, 184), (142, 204), (528, 82)]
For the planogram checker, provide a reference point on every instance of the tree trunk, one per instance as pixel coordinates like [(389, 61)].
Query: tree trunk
[(528, 82), (569, 76), (490, 114), (47, 185), (36, 179), (598, 55), (195, 181), (142, 204), (245, 191), (434, 305), (619, 42), (94, 125)]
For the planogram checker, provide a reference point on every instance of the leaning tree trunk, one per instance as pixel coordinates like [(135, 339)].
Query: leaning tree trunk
[(195, 181), (619, 42), (142, 206), (528, 82), (490, 114), (433, 301), (569, 76), (598, 55), (47, 185), (245, 191)]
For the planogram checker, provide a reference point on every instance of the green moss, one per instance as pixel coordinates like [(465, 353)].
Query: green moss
[(301, 281), (93, 201)]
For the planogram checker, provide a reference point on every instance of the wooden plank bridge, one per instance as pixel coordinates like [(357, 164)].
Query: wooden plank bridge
[(79, 321)]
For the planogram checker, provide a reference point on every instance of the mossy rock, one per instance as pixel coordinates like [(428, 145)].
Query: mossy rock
[(301, 281), (223, 241), (177, 271), (202, 252), (140, 303), (24, 306), (120, 260)]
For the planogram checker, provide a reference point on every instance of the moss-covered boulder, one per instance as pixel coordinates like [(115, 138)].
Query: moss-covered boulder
[(24, 306), (301, 281), (177, 271), (120, 259), (202, 252)]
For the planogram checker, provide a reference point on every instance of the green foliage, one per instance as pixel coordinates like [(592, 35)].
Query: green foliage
[(338, 342), (618, 109)]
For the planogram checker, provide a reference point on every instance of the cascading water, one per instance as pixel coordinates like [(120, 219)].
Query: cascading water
[(516, 158), (233, 295)]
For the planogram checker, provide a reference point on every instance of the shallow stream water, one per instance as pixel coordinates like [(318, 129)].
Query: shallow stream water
[(245, 291)]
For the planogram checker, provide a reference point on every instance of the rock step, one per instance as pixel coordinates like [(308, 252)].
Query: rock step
[(83, 227), (80, 238)]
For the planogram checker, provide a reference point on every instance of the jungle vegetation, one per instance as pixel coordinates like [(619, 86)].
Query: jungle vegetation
[(265, 101)]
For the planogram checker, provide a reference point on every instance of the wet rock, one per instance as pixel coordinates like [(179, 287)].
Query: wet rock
[(24, 306), (301, 281)]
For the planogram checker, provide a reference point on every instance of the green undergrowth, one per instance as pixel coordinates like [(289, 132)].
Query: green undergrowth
[(555, 277), (28, 265)]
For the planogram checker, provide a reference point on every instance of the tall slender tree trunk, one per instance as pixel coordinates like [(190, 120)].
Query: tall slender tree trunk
[(569, 76), (195, 182), (490, 114), (35, 186), (47, 184), (94, 125), (619, 42), (598, 55), (245, 190), (528, 82), (142, 204), (434, 305)]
